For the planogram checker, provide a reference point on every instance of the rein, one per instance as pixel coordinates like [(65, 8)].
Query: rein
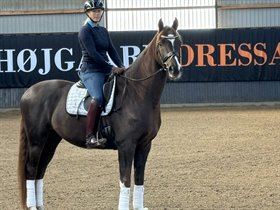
[(141, 79), (134, 80), (166, 58)]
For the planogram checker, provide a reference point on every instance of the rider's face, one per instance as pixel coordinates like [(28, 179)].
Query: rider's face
[(95, 14)]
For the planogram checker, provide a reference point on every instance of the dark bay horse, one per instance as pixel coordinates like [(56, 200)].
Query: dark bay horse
[(45, 122)]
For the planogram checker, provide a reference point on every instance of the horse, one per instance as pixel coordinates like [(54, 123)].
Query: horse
[(136, 122)]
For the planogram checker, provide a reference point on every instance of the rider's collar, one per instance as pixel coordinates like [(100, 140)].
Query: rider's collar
[(91, 23)]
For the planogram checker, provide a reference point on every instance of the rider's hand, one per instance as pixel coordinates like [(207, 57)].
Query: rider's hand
[(117, 70)]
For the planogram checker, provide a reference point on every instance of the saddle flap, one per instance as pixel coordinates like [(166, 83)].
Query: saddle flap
[(76, 102), (108, 88)]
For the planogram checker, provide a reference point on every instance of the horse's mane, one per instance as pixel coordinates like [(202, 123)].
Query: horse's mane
[(139, 58)]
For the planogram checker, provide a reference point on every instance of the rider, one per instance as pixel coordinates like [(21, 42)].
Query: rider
[(95, 43)]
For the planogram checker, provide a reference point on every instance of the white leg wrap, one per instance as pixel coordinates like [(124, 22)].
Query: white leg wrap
[(124, 197), (138, 194), (39, 184), (30, 194)]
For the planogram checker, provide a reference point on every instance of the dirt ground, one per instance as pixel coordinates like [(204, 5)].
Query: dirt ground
[(202, 158)]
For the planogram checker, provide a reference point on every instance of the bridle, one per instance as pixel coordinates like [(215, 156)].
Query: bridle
[(164, 59)]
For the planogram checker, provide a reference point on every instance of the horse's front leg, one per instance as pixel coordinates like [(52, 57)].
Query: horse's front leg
[(140, 159), (126, 155)]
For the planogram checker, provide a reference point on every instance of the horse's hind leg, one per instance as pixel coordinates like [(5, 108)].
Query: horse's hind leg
[(46, 157), (47, 153), (39, 154), (34, 151)]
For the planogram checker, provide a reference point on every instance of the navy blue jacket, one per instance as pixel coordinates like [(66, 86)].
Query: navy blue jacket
[(95, 42)]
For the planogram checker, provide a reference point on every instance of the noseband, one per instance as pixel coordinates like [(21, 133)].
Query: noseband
[(166, 58)]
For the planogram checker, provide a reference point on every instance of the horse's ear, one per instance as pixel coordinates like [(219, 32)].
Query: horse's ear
[(175, 24), (160, 25)]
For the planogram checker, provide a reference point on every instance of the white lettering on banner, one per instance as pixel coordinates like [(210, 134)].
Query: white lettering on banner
[(58, 62), (9, 60), (29, 60), (47, 61), (126, 56), (80, 64), (31, 57)]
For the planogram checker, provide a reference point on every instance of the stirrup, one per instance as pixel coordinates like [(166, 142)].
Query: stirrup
[(93, 142)]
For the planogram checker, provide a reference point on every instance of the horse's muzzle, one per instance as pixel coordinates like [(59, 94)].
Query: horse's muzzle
[(173, 68)]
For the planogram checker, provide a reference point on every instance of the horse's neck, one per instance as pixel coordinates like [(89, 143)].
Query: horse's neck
[(146, 63), (149, 90)]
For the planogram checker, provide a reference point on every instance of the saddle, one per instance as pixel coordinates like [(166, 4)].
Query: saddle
[(78, 98)]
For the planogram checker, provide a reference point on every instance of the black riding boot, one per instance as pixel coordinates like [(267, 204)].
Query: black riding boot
[(92, 126)]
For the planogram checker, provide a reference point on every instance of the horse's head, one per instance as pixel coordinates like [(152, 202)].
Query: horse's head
[(167, 49)]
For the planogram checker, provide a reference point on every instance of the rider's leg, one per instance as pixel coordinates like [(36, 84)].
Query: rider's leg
[(94, 83), (92, 120)]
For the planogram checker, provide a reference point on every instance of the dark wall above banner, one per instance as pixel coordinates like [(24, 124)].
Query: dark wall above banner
[(206, 55)]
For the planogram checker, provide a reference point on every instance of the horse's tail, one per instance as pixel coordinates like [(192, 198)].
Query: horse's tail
[(21, 164)]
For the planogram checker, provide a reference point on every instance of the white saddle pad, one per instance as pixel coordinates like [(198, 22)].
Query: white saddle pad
[(76, 98)]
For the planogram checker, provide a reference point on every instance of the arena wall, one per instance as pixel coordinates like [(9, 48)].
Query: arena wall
[(52, 16)]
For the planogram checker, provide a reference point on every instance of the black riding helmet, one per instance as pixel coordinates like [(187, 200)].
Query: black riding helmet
[(93, 4)]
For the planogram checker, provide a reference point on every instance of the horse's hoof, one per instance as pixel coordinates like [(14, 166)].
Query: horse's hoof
[(32, 208), (41, 208)]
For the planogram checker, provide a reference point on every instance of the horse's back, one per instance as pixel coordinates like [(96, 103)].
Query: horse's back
[(44, 95), (45, 88)]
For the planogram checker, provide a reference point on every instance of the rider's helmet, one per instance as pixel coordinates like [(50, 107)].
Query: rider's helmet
[(93, 4)]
